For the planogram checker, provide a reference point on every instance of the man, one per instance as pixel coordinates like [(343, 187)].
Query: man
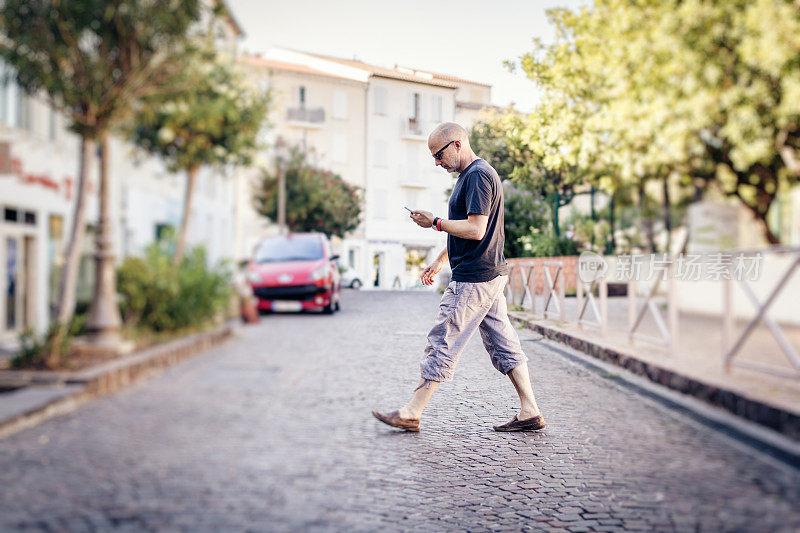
[(474, 299)]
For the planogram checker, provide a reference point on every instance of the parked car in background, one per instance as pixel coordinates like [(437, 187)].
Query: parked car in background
[(295, 272), (350, 277)]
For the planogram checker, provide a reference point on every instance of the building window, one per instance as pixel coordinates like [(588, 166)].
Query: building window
[(381, 101), (4, 89), (165, 231), (379, 204), (412, 201), (24, 111), (12, 104), (10, 215), (55, 260), (340, 105), (30, 218), (414, 104), (53, 125), (340, 148), (11, 282), (381, 154), (301, 96), (437, 108)]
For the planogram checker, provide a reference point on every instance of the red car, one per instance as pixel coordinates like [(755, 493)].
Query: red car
[(294, 273)]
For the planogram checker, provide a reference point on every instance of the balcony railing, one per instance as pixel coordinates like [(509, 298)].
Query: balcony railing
[(314, 116), (412, 128)]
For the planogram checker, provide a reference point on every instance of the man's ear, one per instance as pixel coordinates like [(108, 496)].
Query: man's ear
[(457, 144)]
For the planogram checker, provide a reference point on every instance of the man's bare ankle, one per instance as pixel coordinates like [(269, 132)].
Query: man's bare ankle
[(527, 414), (406, 413)]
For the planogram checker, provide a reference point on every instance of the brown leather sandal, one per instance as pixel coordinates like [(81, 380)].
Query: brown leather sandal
[(532, 424), (395, 420)]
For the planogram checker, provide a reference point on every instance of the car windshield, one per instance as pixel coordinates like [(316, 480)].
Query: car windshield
[(289, 249)]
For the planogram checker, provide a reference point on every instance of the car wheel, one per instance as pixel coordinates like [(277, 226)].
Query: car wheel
[(356, 284), (338, 306), (329, 309)]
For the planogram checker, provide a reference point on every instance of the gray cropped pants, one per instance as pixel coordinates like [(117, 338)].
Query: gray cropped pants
[(465, 308)]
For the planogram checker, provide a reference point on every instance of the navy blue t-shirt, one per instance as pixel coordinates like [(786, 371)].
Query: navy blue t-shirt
[(478, 191)]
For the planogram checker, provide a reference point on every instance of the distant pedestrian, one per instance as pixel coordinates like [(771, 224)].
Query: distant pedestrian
[(474, 300)]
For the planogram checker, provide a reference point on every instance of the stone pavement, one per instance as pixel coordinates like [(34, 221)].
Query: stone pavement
[(271, 431)]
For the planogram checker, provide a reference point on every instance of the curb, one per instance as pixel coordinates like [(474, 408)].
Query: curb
[(784, 422), (68, 390)]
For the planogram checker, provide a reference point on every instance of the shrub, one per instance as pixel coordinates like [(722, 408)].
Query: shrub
[(159, 296), (546, 244), (35, 351)]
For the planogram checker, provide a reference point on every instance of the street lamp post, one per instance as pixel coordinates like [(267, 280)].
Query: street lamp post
[(104, 320), (280, 156)]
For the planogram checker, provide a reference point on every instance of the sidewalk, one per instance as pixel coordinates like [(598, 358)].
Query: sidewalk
[(697, 366), (31, 396)]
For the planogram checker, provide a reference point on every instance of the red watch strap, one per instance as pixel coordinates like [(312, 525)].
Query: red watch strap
[(439, 224)]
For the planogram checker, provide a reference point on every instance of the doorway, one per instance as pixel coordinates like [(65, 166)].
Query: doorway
[(377, 269), (18, 269)]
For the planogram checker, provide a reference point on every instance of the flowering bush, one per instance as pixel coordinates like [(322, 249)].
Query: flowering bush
[(316, 199)]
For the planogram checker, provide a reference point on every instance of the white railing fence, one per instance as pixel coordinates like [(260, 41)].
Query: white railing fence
[(731, 348), (657, 297)]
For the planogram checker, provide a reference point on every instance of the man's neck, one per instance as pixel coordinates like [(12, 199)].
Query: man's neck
[(468, 161)]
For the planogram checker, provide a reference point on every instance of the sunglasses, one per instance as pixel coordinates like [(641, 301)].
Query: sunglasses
[(438, 155)]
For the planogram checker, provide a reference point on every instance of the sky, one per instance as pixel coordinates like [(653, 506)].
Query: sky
[(468, 39)]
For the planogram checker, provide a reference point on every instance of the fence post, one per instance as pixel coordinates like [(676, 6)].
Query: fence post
[(672, 311), (603, 307), (561, 289), (631, 306), (727, 320)]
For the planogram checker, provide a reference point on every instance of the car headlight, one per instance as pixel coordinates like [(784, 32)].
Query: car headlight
[(253, 277), (319, 273)]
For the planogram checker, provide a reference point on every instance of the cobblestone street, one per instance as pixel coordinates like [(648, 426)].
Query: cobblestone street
[(272, 431)]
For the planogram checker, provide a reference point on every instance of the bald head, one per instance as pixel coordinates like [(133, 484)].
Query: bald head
[(449, 146), (446, 132)]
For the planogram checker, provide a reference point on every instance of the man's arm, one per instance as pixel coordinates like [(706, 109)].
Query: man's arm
[(474, 228), (434, 268)]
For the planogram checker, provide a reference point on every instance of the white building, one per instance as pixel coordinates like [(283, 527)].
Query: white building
[(39, 160), (379, 143)]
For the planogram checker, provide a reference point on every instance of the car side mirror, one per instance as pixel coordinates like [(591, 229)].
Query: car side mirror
[(334, 257)]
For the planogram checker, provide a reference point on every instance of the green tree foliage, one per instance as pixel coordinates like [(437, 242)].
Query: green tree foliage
[(213, 118), (498, 138), (708, 90), (316, 199), (520, 149), (92, 60), (525, 213), (158, 296)]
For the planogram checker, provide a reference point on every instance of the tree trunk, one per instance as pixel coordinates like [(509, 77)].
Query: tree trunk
[(180, 245), (104, 319), (69, 275), (647, 222), (556, 224), (667, 218), (612, 225), (765, 229)]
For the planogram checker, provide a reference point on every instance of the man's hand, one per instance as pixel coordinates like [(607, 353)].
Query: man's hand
[(423, 219), (430, 271)]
